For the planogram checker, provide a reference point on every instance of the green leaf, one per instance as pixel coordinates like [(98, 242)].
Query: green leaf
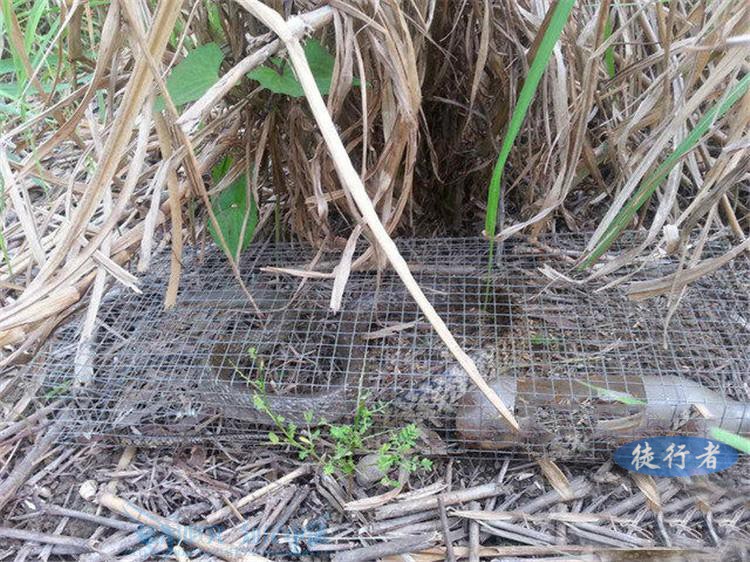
[(7, 66), (7, 8), (3, 245), (389, 482), (230, 208), (732, 439), (259, 402), (614, 395), (540, 339), (552, 33), (273, 438), (10, 90), (279, 78), (37, 11), (193, 76), (59, 389), (214, 18), (652, 182), (609, 54), (386, 462)]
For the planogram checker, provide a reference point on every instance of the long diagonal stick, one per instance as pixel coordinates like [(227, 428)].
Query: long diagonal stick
[(351, 181)]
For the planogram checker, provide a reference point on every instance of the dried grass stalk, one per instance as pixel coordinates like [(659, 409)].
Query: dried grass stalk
[(356, 188)]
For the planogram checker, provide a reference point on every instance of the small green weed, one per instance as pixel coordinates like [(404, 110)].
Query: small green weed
[(336, 447), (58, 390), (542, 340)]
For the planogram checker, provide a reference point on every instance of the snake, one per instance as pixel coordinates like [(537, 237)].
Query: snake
[(366, 351)]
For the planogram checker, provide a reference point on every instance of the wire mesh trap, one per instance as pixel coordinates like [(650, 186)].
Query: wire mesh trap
[(582, 370)]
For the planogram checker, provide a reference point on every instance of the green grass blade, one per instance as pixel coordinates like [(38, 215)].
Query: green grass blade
[(37, 11), (614, 395), (609, 53), (6, 255), (653, 181), (732, 439), (551, 35), (6, 11)]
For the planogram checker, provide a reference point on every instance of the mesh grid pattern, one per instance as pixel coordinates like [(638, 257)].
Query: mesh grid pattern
[(562, 356)]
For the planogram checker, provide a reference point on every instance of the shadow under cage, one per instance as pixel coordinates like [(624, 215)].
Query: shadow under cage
[(583, 370)]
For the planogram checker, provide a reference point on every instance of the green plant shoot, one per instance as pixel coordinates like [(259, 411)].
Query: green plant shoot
[(551, 35), (649, 185)]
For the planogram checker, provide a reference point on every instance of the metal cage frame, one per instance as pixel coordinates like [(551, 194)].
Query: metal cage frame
[(582, 366)]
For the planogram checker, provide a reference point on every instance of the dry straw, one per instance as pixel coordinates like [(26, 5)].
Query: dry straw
[(640, 119)]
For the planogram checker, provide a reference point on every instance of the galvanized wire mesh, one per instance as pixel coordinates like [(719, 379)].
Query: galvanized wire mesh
[(582, 370)]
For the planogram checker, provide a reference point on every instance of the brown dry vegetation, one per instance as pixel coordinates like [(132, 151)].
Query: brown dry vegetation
[(93, 178)]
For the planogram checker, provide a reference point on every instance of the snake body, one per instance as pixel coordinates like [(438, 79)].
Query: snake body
[(341, 364)]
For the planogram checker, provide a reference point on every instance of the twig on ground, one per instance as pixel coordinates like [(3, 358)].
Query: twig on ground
[(175, 530), (474, 535), (179, 554), (44, 538), (143, 535), (451, 498), (90, 517), (225, 512), (398, 546), (450, 555), (24, 467), (351, 180), (12, 428)]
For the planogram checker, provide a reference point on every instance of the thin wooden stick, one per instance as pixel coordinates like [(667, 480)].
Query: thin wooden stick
[(224, 512), (389, 548), (450, 555), (90, 517), (430, 503), (474, 535), (351, 180), (45, 538), (187, 535)]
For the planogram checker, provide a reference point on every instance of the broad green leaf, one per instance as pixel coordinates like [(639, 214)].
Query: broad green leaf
[(551, 35), (10, 90), (193, 76), (230, 207), (279, 78), (614, 395), (220, 169), (7, 66), (732, 439), (652, 182)]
